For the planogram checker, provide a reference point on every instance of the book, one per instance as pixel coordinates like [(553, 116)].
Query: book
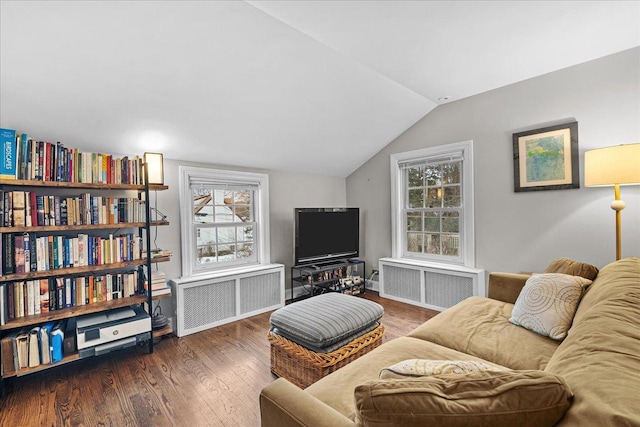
[(8, 145), (22, 344), (57, 341), (44, 295), (34, 347), (4, 304), (45, 347), (18, 254), (9, 354), (162, 291), (19, 209)]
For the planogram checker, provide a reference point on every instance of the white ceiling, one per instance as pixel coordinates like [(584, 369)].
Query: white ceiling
[(305, 86)]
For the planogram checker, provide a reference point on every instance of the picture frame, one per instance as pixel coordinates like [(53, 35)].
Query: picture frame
[(546, 158)]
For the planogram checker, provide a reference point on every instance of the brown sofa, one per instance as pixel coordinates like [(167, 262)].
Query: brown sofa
[(599, 360)]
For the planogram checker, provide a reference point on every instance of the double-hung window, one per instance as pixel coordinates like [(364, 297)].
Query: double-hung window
[(224, 219), (432, 192)]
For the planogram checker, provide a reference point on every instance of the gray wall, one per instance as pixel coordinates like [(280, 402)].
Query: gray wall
[(286, 192), (524, 231)]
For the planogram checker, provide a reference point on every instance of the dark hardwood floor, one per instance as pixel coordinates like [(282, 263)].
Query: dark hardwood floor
[(211, 378)]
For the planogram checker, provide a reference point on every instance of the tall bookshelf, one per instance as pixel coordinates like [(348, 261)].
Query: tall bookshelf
[(112, 260)]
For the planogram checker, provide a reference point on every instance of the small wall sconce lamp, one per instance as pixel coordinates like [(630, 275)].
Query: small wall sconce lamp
[(155, 167), (613, 166)]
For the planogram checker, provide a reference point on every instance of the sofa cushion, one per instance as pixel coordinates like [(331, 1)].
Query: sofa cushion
[(480, 327), (413, 368), (547, 303), (600, 358), (326, 319), (336, 390), (483, 398), (572, 268)]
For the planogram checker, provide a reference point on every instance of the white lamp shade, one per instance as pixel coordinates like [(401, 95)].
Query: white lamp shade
[(155, 167), (609, 166)]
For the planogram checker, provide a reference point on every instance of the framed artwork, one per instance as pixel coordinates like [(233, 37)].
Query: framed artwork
[(546, 158)]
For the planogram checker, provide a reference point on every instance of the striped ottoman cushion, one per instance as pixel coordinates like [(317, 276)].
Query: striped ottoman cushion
[(326, 322)]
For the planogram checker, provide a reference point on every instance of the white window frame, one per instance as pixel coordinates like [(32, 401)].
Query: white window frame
[(398, 190), (188, 226)]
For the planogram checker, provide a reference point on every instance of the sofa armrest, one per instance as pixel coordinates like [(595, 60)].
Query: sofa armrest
[(282, 404), (506, 286)]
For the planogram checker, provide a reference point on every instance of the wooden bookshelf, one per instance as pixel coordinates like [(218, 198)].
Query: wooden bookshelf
[(142, 265)]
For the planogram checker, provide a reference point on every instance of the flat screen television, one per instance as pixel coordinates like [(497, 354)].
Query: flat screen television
[(325, 234)]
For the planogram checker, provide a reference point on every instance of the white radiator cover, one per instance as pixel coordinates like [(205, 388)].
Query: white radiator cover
[(429, 285), (202, 302)]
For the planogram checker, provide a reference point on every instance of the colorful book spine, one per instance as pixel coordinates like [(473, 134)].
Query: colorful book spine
[(8, 144)]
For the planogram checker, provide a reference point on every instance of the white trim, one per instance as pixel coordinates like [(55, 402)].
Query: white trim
[(186, 216), (467, 236)]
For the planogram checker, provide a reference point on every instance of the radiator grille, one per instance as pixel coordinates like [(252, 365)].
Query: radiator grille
[(401, 282), (446, 290), (257, 292), (208, 303)]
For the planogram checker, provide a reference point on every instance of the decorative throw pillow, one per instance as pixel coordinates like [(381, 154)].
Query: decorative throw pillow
[(483, 398), (573, 268), (547, 303), (422, 367)]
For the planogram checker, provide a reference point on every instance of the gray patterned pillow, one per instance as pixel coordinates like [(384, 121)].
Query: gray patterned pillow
[(547, 303)]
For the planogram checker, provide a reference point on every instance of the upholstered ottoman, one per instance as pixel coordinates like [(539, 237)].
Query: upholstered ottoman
[(314, 337)]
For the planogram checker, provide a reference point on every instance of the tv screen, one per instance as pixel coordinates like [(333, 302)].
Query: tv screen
[(323, 234)]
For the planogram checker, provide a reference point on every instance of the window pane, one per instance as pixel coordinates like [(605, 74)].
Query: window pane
[(433, 175), (206, 245), (202, 206), (432, 243), (245, 233), (432, 221), (416, 198), (226, 253), (226, 234), (414, 242), (414, 221), (434, 197), (450, 244), (242, 206), (450, 222), (245, 250), (451, 173), (223, 214), (452, 197), (223, 197), (414, 177)]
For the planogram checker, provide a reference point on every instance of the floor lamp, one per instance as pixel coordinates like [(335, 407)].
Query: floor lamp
[(613, 166)]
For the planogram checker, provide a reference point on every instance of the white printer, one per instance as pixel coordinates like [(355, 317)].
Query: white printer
[(111, 330)]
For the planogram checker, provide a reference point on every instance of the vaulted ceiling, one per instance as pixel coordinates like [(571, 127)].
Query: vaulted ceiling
[(305, 86)]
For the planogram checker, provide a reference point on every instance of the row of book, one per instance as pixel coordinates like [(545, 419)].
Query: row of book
[(26, 208), (29, 348), (24, 253), (32, 297), (25, 158)]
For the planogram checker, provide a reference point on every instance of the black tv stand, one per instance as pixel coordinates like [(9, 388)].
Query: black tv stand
[(345, 275)]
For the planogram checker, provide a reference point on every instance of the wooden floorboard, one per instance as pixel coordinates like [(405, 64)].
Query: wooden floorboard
[(211, 378)]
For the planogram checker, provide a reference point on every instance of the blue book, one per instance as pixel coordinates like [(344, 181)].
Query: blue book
[(9, 148)]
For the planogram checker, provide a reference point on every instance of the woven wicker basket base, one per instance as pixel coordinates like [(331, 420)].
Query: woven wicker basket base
[(303, 367)]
